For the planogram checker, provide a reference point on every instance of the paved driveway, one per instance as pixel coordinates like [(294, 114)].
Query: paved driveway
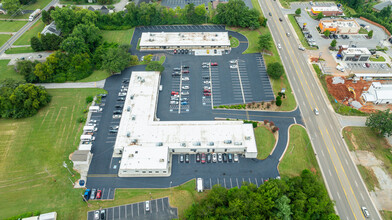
[(182, 3)]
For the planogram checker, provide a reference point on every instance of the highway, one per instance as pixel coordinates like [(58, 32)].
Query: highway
[(340, 174), (25, 28)]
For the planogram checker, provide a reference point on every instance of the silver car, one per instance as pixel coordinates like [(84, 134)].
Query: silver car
[(219, 157), (214, 159)]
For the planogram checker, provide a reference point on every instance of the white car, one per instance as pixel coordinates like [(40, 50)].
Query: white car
[(93, 121), (233, 61), (96, 215), (147, 206), (301, 48), (91, 124), (220, 157), (207, 87), (206, 82), (214, 158), (185, 87), (316, 112), (185, 93), (173, 103), (205, 64), (235, 157), (233, 66), (279, 47), (185, 78), (365, 212)]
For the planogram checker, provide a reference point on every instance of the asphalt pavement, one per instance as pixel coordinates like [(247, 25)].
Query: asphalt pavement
[(340, 174)]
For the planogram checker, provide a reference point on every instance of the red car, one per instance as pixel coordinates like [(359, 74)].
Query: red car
[(207, 91), (99, 194), (214, 64), (203, 158), (175, 51), (185, 71), (207, 94), (174, 93)]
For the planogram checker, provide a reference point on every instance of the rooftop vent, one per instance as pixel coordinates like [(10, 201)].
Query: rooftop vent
[(197, 143), (247, 138), (130, 155), (210, 143), (134, 141), (128, 134), (129, 108), (237, 143), (183, 144), (132, 96), (161, 160), (227, 141), (133, 117), (159, 144)]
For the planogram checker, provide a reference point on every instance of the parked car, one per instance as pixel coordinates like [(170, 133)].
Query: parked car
[(186, 158), (93, 191), (185, 78), (207, 87), (209, 158), (236, 158), (184, 103), (96, 215), (206, 82), (95, 121), (233, 66), (184, 99), (114, 127), (230, 157), (113, 131), (185, 93), (185, 87), (182, 158), (203, 158), (206, 94), (219, 157), (197, 157), (118, 111), (99, 194), (176, 74), (119, 106), (207, 90), (87, 194), (224, 156), (103, 214), (121, 99), (185, 71), (214, 64), (174, 93), (176, 69), (185, 67), (174, 98), (205, 66), (175, 51), (173, 103), (147, 206), (214, 157)]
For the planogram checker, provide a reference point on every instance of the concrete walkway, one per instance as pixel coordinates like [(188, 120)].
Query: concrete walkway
[(97, 84), (351, 120)]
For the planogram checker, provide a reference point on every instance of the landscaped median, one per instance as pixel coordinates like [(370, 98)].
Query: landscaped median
[(265, 140)]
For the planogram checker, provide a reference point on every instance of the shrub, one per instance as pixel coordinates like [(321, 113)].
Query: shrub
[(278, 101), (268, 105), (89, 99), (265, 121), (81, 119), (272, 123), (275, 129)]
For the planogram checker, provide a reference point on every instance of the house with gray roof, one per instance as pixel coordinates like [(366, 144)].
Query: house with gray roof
[(51, 29), (382, 5)]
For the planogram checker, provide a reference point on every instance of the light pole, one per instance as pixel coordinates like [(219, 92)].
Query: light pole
[(170, 187), (66, 166)]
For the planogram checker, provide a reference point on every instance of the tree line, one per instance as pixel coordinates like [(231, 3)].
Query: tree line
[(18, 100), (301, 197)]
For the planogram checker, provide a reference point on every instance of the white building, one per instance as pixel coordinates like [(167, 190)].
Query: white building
[(184, 40), (378, 93), (141, 131), (356, 54)]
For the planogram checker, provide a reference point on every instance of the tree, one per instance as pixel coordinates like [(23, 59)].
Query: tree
[(381, 122), (327, 33), (26, 68), (74, 45), (79, 67), (370, 34), (385, 12), (298, 11), (265, 42), (147, 58), (46, 18), (278, 101), (275, 70), (333, 43), (36, 44), (51, 41), (236, 13), (65, 19), (283, 206), (90, 34), (134, 60), (319, 16), (155, 66), (116, 59), (11, 6)]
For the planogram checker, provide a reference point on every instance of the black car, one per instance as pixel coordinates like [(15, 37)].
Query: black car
[(121, 99), (125, 81), (182, 51), (330, 36), (186, 158), (113, 131), (186, 51), (270, 14), (119, 106), (182, 158), (176, 74), (280, 19), (197, 157), (224, 157), (206, 77), (230, 157), (103, 214), (185, 67), (209, 158)]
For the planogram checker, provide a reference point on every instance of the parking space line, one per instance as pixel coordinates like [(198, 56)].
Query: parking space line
[(108, 194), (113, 213), (138, 208), (256, 182), (119, 214), (231, 184), (210, 184), (237, 182), (224, 181), (249, 180), (163, 206), (132, 210), (156, 203)]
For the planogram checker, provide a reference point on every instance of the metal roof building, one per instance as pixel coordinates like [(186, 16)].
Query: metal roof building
[(378, 93)]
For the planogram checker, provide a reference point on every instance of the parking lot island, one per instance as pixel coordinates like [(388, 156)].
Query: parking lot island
[(141, 132)]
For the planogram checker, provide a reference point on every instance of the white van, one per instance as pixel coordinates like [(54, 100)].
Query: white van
[(95, 109), (89, 128), (147, 206), (87, 137), (199, 185)]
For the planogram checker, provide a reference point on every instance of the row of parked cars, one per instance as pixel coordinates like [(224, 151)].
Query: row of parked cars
[(208, 158), (121, 99), (184, 90), (92, 194)]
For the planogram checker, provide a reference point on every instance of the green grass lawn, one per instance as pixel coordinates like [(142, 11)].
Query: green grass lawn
[(162, 59), (85, 3), (364, 138), (299, 154), (386, 215), (265, 141), (118, 36), (234, 42), (369, 177), (11, 26), (362, 31), (97, 75), (338, 107), (8, 71), (32, 32), (379, 59), (8, 16), (299, 33), (16, 50), (32, 151), (39, 4), (4, 38)]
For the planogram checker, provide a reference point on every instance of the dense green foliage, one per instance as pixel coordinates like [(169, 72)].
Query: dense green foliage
[(265, 42), (21, 100), (116, 59), (298, 11), (26, 68), (275, 70), (381, 122), (11, 6), (155, 66), (236, 13), (302, 197), (46, 42), (370, 34), (327, 33), (333, 43)]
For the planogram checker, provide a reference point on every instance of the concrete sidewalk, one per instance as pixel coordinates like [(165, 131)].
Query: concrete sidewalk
[(351, 120), (97, 84)]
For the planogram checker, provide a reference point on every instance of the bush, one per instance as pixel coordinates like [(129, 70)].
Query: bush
[(265, 121), (89, 99), (278, 101), (81, 119), (275, 129), (272, 123), (275, 70), (155, 66), (254, 123)]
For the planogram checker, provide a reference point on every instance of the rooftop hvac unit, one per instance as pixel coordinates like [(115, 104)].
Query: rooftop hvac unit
[(134, 141), (151, 34), (161, 160), (210, 143), (133, 117), (132, 96), (197, 143), (142, 81), (129, 108), (247, 138), (131, 155), (227, 141), (237, 143), (159, 144), (216, 35), (128, 134), (213, 39), (183, 144)]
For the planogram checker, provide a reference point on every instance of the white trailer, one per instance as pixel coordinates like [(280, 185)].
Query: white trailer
[(95, 109), (89, 128), (199, 185), (35, 14), (87, 137)]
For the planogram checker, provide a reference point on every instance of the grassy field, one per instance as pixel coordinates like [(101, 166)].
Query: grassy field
[(16, 50), (120, 37), (32, 151), (299, 154), (39, 4), (386, 215), (362, 31), (338, 107), (369, 177), (234, 42), (97, 75), (363, 138), (299, 33), (4, 38), (379, 59), (265, 141), (8, 71), (11, 26), (32, 32)]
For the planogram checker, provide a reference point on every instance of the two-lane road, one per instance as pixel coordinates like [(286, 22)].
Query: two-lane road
[(25, 28), (343, 181)]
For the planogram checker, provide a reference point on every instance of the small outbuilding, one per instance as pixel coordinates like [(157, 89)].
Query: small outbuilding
[(378, 93)]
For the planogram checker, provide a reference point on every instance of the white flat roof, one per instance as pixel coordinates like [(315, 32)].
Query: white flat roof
[(326, 8), (339, 23), (354, 51), (184, 39), (383, 91), (149, 158)]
